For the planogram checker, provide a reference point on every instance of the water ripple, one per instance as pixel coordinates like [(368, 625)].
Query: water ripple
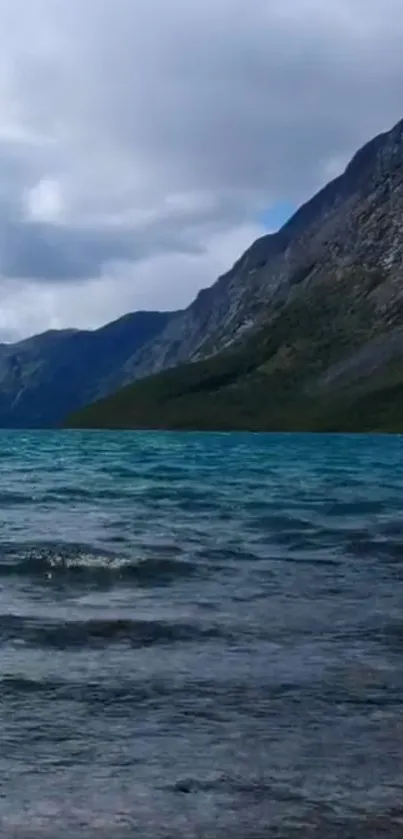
[(201, 635)]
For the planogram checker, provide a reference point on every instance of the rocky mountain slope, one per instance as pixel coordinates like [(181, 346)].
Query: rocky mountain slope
[(45, 377), (356, 220), (306, 330)]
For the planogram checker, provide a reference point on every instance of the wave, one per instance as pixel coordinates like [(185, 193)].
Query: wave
[(99, 633), (77, 561), (15, 499)]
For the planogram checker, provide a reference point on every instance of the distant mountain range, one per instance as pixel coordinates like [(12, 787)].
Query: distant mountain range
[(44, 378), (304, 332)]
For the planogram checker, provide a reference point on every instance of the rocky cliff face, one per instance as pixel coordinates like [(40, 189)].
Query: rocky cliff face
[(354, 224)]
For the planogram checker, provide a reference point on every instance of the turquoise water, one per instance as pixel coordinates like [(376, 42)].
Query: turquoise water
[(201, 636)]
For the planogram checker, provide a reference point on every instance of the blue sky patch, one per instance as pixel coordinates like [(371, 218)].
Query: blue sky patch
[(275, 216)]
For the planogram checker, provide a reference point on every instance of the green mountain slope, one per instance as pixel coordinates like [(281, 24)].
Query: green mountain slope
[(377, 408), (276, 380)]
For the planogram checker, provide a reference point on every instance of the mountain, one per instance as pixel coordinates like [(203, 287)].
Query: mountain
[(46, 377), (305, 331)]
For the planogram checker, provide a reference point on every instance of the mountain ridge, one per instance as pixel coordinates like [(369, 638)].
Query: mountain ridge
[(325, 292), (231, 305), (45, 376)]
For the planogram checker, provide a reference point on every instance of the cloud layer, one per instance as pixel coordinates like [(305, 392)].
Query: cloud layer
[(143, 143)]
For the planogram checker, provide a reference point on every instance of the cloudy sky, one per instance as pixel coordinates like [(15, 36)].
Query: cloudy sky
[(145, 143)]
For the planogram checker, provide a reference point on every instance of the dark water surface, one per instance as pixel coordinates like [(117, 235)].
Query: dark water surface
[(201, 636)]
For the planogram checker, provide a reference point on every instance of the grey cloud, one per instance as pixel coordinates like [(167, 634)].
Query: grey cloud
[(38, 250), (50, 252), (229, 94), (146, 107)]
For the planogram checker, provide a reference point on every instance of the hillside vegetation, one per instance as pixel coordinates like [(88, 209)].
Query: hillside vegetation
[(275, 380)]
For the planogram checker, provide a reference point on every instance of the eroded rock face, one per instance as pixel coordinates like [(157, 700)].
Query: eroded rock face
[(351, 227)]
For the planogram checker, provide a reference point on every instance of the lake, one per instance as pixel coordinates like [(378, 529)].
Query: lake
[(201, 635)]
